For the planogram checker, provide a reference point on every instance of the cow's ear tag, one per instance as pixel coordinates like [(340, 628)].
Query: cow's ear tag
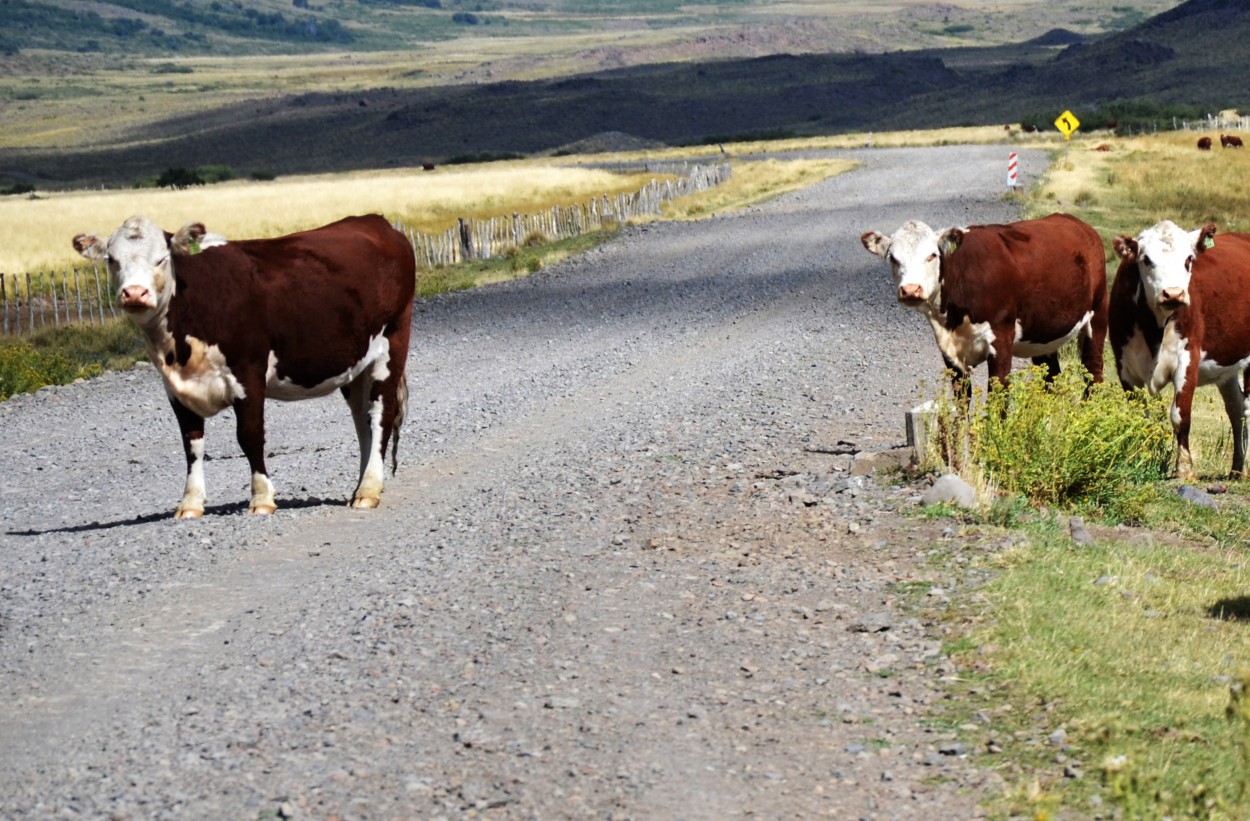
[(193, 246), (1209, 242)]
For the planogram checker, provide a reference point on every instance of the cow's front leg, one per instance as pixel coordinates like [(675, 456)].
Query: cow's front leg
[(1182, 415), (191, 425), (250, 418), (999, 359), (961, 382)]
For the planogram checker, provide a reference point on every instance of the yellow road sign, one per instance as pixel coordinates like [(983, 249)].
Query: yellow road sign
[(1067, 123)]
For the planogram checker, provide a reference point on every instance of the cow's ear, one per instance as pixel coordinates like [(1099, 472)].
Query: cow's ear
[(187, 240), (90, 246), (1125, 248), (950, 239), (876, 242), (1205, 238)]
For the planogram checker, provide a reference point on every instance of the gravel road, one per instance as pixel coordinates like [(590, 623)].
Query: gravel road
[(621, 573)]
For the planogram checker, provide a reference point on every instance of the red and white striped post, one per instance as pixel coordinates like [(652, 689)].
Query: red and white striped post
[(1013, 167)]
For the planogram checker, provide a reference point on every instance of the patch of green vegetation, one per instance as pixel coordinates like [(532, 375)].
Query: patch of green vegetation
[(1107, 675), (58, 356), (515, 264), (1124, 116), (1066, 443)]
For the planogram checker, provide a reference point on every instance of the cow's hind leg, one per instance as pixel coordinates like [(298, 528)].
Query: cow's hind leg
[(250, 418), (191, 425), (370, 400), (1050, 362), (1235, 406)]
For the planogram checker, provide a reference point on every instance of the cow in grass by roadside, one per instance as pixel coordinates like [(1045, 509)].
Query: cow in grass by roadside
[(991, 292), (1204, 143), (228, 324), (1180, 316), (1230, 141)]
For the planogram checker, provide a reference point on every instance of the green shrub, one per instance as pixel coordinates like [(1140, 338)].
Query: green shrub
[(25, 370), (57, 356), (1069, 444), (215, 173), (1066, 444)]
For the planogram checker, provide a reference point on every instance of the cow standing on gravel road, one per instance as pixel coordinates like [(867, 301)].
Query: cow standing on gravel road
[(229, 323)]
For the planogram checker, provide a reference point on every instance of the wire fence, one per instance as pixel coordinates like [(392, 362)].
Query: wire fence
[(83, 296), (472, 239)]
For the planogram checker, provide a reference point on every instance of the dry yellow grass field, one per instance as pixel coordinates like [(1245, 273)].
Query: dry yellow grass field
[(35, 233)]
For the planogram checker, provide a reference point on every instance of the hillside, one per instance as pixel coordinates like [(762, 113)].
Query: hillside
[(1171, 58), (159, 28), (1185, 56)]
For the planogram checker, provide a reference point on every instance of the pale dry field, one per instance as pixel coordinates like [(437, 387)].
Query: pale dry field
[(35, 234)]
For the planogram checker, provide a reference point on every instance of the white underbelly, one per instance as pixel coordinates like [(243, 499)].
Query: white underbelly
[(376, 358), (1025, 349)]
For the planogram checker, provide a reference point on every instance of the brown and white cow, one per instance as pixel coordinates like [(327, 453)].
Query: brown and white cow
[(1180, 315), (1204, 143), (994, 291), (1230, 141), (228, 324)]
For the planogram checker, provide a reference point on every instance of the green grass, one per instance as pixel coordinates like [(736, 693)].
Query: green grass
[(1138, 647), (58, 356), (1132, 647), (513, 265)]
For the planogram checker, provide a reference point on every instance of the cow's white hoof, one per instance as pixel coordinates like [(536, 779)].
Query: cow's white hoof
[(189, 513), (365, 503), (262, 510)]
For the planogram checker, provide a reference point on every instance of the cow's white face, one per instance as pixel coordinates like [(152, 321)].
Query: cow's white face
[(1165, 256), (915, 256), (139, 256)]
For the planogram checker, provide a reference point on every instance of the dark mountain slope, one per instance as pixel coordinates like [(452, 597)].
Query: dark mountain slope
[(673, 103), (1197, 53)]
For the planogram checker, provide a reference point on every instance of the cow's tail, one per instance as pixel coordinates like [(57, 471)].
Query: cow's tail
[(401, 408)]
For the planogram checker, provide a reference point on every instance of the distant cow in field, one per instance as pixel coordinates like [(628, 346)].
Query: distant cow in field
[(1179, 308), (1204, 143), (427, 166), (228, 324), (1230, 141), (994, 291)]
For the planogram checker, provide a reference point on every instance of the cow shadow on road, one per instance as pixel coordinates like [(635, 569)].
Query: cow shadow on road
[(232, 509)]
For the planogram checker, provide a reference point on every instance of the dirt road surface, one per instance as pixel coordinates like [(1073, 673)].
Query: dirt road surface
[(623, 572)]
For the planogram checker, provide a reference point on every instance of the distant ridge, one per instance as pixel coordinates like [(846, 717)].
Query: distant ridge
[(1056, 37), (1194, 56)]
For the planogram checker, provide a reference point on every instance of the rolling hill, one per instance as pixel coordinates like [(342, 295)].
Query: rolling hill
[(1182, 56)]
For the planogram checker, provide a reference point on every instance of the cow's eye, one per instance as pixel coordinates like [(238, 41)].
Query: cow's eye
[(931, 257), (1189, 263), (160, 263)]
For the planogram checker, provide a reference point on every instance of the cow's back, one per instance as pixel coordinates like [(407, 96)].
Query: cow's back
[(1047, 273), (314, 298)]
